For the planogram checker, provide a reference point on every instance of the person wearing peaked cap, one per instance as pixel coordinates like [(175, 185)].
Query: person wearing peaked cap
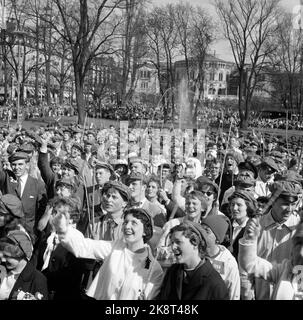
[(277, 226), (111, 282), (29, 190), (221, 258), (192, 277), (137, 183), (267, 171), (282, 275), (19, 274), (246, 180), (84, 169), (27, 148)]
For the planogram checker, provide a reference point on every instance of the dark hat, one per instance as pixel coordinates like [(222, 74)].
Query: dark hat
[(78, 146), (12, 148), (19, 239), (72, 164), (197, 229), (218, 225), (100, 164), (134, 176), (119, 186), (289, 184), (270, 162), (56, 160), (249, 167), (12, 205), (26, 147), (245, 195), (18, 156), (66, 182), (202, 180), (147, 221)]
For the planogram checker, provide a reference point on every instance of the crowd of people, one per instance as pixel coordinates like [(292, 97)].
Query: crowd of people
[(84, 215)]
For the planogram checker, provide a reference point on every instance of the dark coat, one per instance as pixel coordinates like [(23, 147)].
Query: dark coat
[(204, 284), (33, 197), (170, 208), (47, 174), (32, 281), (64, 274), (235, 244)]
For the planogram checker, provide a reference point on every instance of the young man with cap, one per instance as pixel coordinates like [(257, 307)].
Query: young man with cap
[(31, 193), (137, 183), (266, 175), (103, 173), (192, 277), (129, 271), (220, 257), (285, 276), (246, 180), (18, 272), (84, 170), (138, 165), (278, 227)]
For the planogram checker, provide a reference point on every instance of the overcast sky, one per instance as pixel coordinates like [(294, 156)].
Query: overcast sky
[(222, 47)]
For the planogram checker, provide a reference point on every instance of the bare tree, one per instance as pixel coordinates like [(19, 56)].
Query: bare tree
[(89, 27), (247, 26), (285, 73)]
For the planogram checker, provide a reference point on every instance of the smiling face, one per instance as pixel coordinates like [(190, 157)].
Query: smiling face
[(282, 208), (19, 167), (152, 189), (68, 172), (193, 208), (133, 229), (183, 250), (9, 262), (113, 202)]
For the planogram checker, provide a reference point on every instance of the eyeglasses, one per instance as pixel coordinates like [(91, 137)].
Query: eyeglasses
[(208, 193)]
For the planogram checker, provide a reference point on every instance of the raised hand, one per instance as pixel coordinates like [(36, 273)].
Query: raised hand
[(252, 229)]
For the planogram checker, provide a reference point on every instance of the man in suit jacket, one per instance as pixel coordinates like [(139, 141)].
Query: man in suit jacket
[(29, 190), (137, 183)]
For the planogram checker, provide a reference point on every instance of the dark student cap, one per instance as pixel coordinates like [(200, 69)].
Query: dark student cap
[(12, 205), (119, 186), (19, 155), (100, 164), (245, 165), (72, 164), (27, 148), (135, 176), (68, 182), (270, 162), (202, 180), (78, 146)]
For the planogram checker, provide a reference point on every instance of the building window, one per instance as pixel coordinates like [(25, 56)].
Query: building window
[(211, 76), (144, 74), (220, 76), (144, 85)]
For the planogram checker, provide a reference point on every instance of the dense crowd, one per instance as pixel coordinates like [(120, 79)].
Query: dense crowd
[(88, 213)]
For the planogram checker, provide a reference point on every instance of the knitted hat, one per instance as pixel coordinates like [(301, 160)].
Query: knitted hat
[(119, 186), (18, 244), (218, 225), (11, 204)]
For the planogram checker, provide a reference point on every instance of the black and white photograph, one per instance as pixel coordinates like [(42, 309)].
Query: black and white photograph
[(151, 150)]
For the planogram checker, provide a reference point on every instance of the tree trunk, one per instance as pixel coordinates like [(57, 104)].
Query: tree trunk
[(79, 84)]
